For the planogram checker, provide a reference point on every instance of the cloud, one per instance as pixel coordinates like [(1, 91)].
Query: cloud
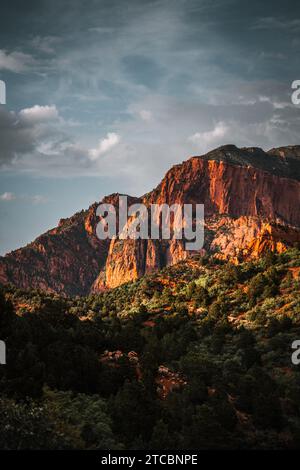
[(39, 114), (102, 30), (38, 140), (145, 115), (105, 145), (7, 196), (15, 61), (45, 44), (277, 23), (22, 135), (35, 199), (206, 139), (15, 138)]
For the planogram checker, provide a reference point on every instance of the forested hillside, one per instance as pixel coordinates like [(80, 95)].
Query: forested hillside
[(197, 355)]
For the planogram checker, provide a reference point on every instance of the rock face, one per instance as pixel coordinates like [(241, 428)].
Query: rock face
[(64, 260), (251, 201)]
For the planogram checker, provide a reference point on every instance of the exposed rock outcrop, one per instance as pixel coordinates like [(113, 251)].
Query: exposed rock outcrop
[(251, 200)]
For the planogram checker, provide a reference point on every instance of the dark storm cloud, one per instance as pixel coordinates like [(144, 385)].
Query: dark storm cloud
[(14, 137)]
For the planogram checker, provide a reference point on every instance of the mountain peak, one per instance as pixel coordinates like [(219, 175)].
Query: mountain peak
[(289, 151), (282, 161)]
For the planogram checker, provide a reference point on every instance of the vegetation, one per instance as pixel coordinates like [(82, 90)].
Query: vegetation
[(225, 330)]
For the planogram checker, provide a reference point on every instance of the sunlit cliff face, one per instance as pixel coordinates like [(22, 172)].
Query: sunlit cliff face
[(250, 207)]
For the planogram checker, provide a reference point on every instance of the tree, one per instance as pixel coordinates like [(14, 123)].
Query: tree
[(133, 412), (83, 418), (161, 439)]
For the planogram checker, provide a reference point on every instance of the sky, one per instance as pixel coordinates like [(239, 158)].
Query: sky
[(104, 96)]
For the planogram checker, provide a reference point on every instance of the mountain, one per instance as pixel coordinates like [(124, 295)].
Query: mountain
[(251, 200)]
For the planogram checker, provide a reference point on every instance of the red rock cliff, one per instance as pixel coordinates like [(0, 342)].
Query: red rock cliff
[(251, 201)]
